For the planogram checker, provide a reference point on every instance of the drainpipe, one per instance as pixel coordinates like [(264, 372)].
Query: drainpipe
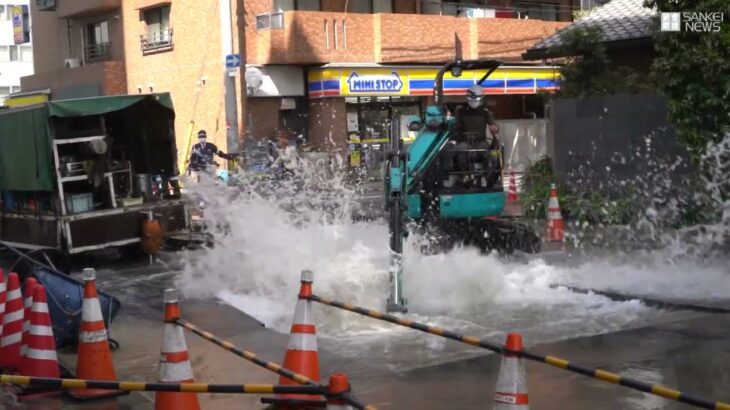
[(229, 81)]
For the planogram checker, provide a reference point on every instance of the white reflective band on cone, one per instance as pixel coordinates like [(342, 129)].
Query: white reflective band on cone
[(13, 294), (40, 330), (554, 215), (173, 339), (13, 317), (339, 407), (39, 307), (303, 314), (175, 372), (11, 339), (93, 337), (302, 341), (91, 311), (41, 354)]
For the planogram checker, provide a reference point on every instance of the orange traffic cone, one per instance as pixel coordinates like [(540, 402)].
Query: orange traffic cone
[(94, 356), (301, 354), (555, 229), (339, 384), (174, 361), (12, 335), (512, 189), (28, 288), (40, 358), (511, 389)]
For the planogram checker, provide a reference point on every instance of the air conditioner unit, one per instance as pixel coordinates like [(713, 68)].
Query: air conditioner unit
[(72, 62)]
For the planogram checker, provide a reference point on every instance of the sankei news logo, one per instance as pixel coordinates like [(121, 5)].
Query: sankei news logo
[(692, 22)]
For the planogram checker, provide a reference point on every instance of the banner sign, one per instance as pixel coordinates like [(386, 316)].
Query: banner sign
[(419, 81), (21, 28)]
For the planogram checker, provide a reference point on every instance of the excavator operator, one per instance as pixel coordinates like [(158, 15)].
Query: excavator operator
[(472, 120)]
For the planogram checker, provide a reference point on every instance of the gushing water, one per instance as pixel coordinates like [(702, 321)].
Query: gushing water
[(268, 232)]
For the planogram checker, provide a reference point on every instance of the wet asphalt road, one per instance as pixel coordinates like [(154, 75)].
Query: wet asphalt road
[(691, 354)]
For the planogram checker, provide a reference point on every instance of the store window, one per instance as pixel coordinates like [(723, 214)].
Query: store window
[(369, 119)]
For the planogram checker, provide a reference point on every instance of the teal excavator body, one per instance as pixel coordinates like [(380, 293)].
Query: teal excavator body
[(456, 195)]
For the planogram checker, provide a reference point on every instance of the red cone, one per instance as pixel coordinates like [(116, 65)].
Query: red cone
[(28, 288), (511, 389), (40, 358), (12, 334), (2, 299)]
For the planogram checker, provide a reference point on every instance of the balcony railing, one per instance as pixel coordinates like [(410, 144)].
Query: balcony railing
[(156, 41), (98, 52)]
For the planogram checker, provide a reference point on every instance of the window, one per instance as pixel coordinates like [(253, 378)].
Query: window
[(382, 6), (4, 91), (159, 33), (14, 55), (270, 20), (26, 53), (311, 5), (97, 39), (284, 5), (158, 23), (4, 56), (3, 13), (363, 6)]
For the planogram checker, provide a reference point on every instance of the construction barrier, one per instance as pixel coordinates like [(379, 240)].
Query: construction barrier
[(655, 389), (250, 356), (128, 386)]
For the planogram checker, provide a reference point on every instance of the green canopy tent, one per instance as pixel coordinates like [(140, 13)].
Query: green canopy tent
[(26, 159)]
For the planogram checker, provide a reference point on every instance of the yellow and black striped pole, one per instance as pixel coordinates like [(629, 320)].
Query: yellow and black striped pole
[(250, 356), (274, 367), (599, 374), (167, 387)]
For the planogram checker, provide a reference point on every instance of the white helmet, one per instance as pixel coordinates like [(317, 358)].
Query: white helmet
[(474, 96)]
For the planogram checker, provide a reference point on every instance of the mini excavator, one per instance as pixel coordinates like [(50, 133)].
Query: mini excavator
[(459, 200)]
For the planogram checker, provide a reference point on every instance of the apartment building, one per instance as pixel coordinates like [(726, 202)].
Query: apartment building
[(16, 60), (301, 57)]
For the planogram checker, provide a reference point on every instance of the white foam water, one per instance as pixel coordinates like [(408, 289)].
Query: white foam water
[(255, 266)]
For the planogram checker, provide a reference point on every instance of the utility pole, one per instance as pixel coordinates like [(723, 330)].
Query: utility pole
[(241, 24), (228, 79)]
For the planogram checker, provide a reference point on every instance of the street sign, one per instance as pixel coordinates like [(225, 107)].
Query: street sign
[(232, 71), (233, 60)]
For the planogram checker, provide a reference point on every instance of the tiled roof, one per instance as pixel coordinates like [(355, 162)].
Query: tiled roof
[(618, 19)]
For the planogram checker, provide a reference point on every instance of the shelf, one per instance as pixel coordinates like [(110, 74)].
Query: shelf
[(78, 140), (85, 177)]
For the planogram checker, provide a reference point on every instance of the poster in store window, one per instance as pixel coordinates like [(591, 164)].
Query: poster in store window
[(352, 123)]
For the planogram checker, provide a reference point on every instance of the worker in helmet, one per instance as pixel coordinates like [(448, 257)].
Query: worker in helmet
[(476, 129), (203, 153)]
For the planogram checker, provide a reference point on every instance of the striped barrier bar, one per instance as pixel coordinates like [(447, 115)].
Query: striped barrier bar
[(274, 367), (167, 387), (655, 389), (250, 356)]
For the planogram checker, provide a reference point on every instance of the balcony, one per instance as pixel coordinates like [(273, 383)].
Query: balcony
[(311, 37), (97, 52), (156, 42), (83, 8)]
